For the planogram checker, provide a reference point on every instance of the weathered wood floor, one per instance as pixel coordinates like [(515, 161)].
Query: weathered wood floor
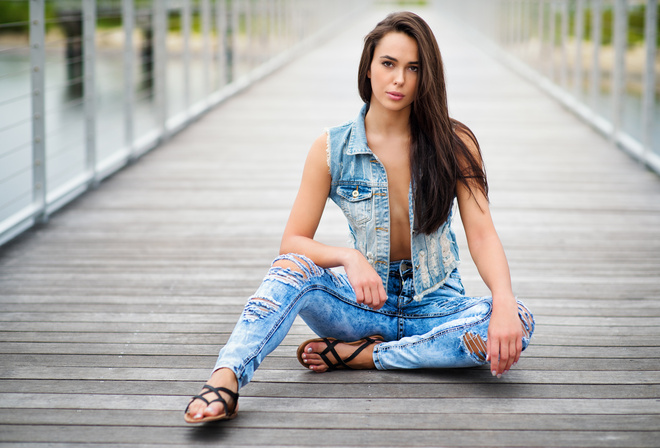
[(113, 313)]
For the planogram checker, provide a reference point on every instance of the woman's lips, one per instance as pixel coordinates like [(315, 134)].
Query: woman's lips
[(396, 96)]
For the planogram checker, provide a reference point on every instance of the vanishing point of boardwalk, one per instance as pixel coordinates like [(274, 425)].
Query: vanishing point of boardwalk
[(113, 312)]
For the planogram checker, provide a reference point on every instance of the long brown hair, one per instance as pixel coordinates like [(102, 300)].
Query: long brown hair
[(439, 158)]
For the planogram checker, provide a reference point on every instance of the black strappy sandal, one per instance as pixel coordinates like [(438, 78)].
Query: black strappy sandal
[(216, 391), (331, 343)]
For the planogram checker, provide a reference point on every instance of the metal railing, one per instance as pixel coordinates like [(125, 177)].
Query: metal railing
[(87, 86), (597, 57)]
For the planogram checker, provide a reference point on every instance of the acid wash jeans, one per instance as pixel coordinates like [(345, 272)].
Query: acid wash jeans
[(444, 329)]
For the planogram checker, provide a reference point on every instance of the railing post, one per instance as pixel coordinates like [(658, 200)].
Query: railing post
[(579, 36), (520, 22), (648, 99), (596, 36), (249, 41), (89, 87), (272, 28), (206, 47), (541, 31), (233, 42), (618, 79), (510, 20), (37, 67), (553, 37), (160, 72), (527, 20), (284, 23), (186, 27), (265, 40), (221, 35), (563, 68), (128, 23)]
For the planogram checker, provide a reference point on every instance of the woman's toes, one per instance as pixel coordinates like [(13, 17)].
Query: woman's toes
[(212, 410), (196, 410), (313, 348)]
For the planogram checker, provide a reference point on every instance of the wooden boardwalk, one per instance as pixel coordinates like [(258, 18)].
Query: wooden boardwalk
[(112, 314)]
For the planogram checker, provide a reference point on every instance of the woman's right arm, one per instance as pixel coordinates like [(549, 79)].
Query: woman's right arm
[(303, 222)]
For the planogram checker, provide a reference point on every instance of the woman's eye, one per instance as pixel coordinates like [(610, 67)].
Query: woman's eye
[(387, 64), (414, 68)]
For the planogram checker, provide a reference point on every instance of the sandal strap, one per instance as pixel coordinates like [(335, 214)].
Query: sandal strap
[(330, 348), (196, 397), (216, 390), (233, 395), (367, 342)]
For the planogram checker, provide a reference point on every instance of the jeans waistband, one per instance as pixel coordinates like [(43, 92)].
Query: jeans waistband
[(402, 269)]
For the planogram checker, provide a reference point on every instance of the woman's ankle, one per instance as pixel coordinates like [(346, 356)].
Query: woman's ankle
[(224, 377)]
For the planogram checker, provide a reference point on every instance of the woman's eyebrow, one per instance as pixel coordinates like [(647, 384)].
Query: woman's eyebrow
[(396, 60)]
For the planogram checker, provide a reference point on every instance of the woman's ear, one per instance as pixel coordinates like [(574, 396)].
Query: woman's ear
[(369, 74)]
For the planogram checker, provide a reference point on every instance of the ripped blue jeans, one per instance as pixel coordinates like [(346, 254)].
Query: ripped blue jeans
[(445, 329)]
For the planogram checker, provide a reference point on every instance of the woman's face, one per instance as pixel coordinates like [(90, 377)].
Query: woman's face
[(394, 71)]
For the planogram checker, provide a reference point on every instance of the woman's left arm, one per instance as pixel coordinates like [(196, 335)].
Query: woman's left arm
[(505, 330)]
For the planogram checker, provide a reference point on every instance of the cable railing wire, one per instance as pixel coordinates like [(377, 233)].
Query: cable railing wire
[(79, 61)]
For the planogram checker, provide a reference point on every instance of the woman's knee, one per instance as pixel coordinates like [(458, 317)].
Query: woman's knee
[(298, 265), (286, 272), (293, 270), (287, 264)]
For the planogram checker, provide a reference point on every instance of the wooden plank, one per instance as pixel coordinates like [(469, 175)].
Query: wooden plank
[(294, 338), (432, 389), (558, 307), (312, 420), (284, 361), (333, 437), (136, 347), (298, 375), (498, 404)]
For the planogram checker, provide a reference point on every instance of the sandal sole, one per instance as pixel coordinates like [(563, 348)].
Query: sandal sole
[(215, 418)]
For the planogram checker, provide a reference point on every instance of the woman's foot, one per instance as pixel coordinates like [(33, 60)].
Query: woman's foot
[(323, 354), (199, 410)]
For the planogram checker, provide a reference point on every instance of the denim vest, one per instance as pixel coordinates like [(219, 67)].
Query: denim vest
[(359, 188)]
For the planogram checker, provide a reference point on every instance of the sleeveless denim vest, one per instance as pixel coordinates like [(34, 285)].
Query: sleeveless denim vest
[(359, 188)]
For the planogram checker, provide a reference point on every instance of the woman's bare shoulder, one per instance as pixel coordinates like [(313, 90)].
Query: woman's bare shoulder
[(465, 134), (317, 158)]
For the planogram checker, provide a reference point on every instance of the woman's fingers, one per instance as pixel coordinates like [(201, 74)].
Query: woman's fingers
[(368, 300), (359, 295), (503, 354), (382, 295)]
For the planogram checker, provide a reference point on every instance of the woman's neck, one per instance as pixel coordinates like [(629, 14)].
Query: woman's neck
[(386, 122)]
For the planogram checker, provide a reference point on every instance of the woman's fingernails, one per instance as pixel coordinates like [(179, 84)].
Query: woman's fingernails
[(494, 373)]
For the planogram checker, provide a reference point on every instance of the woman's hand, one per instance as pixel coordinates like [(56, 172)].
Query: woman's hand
[(365, 280), (505, 333)]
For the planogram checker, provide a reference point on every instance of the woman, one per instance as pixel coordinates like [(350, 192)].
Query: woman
[(395, 172)]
